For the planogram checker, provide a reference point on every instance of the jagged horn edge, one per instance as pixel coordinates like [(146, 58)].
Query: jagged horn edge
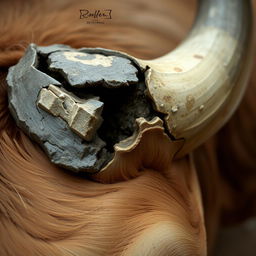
[(200, 84), (197, 86)]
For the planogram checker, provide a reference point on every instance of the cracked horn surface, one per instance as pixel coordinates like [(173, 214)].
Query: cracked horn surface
[(63, 147)]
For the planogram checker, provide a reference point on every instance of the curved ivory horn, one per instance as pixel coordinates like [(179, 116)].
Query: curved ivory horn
[(199, 85)]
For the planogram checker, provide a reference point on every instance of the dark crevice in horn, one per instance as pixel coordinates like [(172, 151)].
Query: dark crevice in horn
[(80, 104)]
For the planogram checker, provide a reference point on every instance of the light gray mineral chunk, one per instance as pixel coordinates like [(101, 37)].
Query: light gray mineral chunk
[(82, 115), (85, 69)]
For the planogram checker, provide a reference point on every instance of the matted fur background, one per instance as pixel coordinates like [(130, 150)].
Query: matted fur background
[(47, 211)]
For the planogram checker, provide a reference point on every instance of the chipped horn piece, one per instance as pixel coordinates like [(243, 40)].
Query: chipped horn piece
[(82, 116), (144, 148)]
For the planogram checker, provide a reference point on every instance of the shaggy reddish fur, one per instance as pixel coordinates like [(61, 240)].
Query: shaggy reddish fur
[(47, 211)]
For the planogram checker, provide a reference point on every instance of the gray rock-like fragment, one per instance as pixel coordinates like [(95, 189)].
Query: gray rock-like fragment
[(56, 96), (82, 69), (62, 145)]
